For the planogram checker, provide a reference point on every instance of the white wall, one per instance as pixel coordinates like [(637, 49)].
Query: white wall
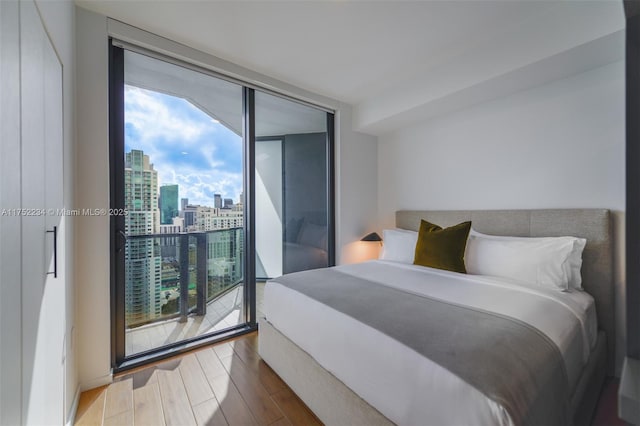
[(356, 156), (92, 191), (268, 208), (560, 145), (356, 190)]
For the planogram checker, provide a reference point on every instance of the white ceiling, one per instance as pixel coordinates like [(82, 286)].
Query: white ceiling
[(386, 58)]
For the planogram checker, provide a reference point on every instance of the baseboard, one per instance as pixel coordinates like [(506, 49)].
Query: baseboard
[(71, 415), (107, 379), (94, 383)]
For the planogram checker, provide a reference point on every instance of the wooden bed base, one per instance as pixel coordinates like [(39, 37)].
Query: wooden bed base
[(329, 399)]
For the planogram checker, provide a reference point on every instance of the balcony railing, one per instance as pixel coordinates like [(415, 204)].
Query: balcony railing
[(179, 274)]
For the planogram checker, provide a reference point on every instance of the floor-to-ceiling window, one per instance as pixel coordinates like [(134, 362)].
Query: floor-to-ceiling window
[(178, 199), (212, 181)]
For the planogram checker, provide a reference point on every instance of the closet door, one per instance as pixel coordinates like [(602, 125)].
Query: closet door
[(43, 295)]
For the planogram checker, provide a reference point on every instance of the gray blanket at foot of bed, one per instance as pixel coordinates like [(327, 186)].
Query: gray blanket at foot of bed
[(507, 360)]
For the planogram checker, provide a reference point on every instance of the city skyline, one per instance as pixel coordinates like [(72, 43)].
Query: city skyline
[(213, 200), (151, 264), (189, 203), (186, 146), (158, 204)]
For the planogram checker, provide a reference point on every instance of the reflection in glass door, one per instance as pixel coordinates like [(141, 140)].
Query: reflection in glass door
[(293, 188), (179, 219)]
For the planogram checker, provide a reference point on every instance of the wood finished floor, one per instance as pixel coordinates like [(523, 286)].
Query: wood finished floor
[(607, 411), (226, 384)]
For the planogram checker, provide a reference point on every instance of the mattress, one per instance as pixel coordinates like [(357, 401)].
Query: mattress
[(404, 386)]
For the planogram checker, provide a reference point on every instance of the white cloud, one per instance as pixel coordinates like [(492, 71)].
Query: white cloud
[(153, 119), (162, 123), (199, 188)]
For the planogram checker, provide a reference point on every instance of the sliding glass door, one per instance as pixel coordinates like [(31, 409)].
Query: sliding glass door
[(178, 198), (212, 183), (294, 217)]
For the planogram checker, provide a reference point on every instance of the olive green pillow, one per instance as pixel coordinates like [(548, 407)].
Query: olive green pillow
[(442, 248)]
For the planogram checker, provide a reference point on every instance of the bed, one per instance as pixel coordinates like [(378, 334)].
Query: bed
[(338, 362)]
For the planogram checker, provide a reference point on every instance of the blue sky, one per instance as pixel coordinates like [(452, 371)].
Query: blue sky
[(186, 146)]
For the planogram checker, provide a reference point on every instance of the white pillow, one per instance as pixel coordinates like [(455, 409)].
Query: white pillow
[(399, 245), (572, 268), (540, 262)]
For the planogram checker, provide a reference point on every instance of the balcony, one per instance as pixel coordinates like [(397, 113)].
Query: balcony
[(222, 312), (181, 286)]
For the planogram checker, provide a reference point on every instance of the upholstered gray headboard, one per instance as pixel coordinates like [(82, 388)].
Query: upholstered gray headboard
[(592, 224)]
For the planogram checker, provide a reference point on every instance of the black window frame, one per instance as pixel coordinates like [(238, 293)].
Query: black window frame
[(632, 214)]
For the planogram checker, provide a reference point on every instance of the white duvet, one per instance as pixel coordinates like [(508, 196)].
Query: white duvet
[(406, 387)]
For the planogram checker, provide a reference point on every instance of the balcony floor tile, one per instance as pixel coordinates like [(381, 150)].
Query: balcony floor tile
[(221, 313)]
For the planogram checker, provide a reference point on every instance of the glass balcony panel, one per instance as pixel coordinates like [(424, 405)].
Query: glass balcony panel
[(164, 270)]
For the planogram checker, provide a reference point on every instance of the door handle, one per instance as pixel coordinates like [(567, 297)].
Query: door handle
[(55, 251)]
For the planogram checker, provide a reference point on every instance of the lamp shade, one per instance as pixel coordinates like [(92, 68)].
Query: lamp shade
[(371, 237)]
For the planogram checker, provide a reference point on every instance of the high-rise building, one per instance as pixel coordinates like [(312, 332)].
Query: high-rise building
[(184, 202), (212, 219), (142, 255), (239, 206), (189, 215), (217, 201), (168, 204), (228, 203), (224, 254), (169, 245)]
